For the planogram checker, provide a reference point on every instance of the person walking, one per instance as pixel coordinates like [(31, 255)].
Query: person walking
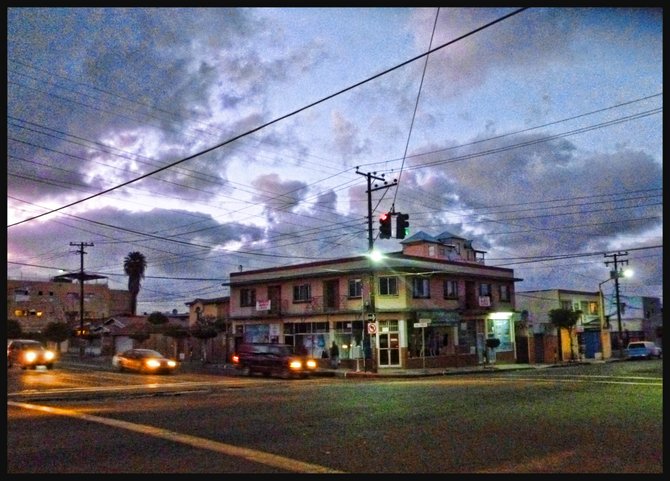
[(334, 356)]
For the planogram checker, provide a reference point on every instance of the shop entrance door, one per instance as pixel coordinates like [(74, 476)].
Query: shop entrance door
[(389, 349)]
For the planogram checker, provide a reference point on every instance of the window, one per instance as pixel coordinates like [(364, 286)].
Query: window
[(593, 308), (450, 289), (420, 288), (355, 288), (504, 292), (567, 305), (388, 286), (484, 290), (247, 297), (302, 293)]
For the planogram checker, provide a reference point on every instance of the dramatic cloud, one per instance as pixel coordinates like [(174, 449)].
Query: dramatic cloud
[(537, 137)]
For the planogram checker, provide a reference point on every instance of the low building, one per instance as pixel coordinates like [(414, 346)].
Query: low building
[(590, 337), (433, 304), (35, 303)]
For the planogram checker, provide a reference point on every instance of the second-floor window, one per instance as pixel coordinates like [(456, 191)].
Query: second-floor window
[(355, 288), (247, 297), (420, 287), (484, 290), (593, 308), (504, 293), (302, 293), (388, 286), (567, 305), (450, 289)]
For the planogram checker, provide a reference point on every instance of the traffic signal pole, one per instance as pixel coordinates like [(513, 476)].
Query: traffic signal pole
[(371, 312), (369, 177)]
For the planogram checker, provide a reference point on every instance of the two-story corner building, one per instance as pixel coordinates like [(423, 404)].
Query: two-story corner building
[(431, 305), (591, 336), (36, 303)]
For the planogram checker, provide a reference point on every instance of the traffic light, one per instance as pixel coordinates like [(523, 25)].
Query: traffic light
[(385, 225), (401, 226)]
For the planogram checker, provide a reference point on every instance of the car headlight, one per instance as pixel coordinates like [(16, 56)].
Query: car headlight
[(30, 356), (311, 364), (172, 363), (152, 363), (295, 364), (49, 355)]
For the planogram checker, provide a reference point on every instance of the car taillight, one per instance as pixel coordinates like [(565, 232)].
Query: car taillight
[(236, 359)]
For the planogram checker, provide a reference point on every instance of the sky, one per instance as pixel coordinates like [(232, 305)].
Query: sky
[(214, 140)]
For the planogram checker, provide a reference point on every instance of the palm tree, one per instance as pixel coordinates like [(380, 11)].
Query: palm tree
[(134, 265)]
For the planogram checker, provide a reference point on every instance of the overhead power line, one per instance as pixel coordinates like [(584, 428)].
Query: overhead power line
[(276, 120)]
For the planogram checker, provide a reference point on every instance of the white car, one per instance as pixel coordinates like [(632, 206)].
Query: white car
[(644, 350)]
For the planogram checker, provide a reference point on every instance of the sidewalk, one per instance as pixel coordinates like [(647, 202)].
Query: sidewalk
[(225, 369)]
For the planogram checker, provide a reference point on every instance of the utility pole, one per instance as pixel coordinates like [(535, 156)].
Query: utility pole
[(371, 312), (81, 293), (616, 275), (369, 176)]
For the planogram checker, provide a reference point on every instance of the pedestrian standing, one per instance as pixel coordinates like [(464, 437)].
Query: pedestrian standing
[(334, 356)]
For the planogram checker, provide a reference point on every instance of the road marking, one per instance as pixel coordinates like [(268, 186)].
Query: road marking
[(253, 455)]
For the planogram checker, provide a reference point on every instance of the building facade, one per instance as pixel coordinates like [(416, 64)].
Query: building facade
[(641, 319), (34, 304), (590, 338), (433, 304)]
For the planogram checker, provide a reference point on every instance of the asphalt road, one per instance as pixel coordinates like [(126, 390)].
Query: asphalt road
[(604, 418)]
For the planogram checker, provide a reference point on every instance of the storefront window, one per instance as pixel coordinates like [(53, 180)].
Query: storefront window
[(500, 329), (307, 337), (348, 337)]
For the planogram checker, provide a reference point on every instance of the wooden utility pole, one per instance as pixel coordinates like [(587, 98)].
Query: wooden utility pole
[(81, 293)]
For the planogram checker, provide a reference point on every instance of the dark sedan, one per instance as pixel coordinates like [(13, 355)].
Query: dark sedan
[(143, 361)]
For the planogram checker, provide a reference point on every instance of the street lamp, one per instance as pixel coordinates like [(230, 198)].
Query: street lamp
[(614, 274)]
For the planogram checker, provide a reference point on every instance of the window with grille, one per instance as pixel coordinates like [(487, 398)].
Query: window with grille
[(247, 297), (420, 287), (302, 293), (388, 286), (355, 288), (450, 289)]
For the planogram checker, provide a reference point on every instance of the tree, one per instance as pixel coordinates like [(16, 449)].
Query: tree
[(57, 332), (14, 330), (565, 319), (134, 265), (157, 319), (204, 330)]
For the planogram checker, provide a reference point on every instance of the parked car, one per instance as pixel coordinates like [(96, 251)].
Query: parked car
[(143, 361), (28, 353), (272, 359), (644, 350)]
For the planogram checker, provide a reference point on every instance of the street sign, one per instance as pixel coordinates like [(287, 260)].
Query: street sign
[(420, 324), (372, 328)]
